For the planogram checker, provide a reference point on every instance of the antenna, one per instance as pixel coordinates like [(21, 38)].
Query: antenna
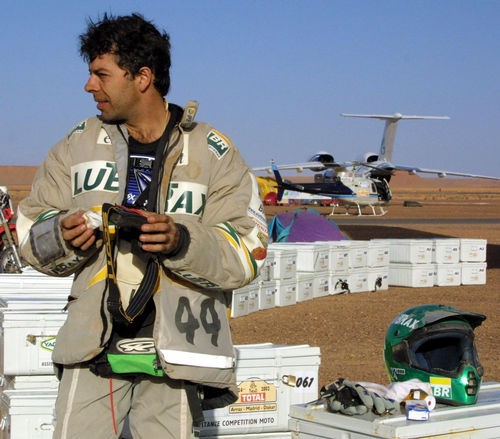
[(391, 123)]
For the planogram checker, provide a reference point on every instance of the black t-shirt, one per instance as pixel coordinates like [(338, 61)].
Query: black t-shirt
[(140, 172)]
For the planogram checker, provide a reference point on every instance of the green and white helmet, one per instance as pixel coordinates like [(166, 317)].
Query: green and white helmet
[(435, 344)]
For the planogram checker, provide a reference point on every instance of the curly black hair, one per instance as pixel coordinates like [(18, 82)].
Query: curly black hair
[(136, 42)]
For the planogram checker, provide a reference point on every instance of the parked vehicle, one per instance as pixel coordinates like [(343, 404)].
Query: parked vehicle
[(9, 256)]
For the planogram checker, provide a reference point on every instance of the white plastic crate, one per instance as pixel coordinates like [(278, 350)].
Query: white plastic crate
[(411, 251), (273, 435), (478, 421), (378, 254), (34, 281), (358, 254), (30, 303), (28, 341), (30, 382), (378, 278), (446, 251), (270, 379), (473, 250), (338, 255), (267, 294), (253, 300), (473, 273), (447, 275), (27, 413), (311, 257), (305, 287), (321, 284), (339, 282), (286, 292), (358, 280), (281, 263), (239, 302), (411, 275)]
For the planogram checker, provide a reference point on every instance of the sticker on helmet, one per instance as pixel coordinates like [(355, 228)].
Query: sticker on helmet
[(441, 387)]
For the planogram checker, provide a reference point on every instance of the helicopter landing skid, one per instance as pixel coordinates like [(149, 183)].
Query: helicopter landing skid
[(358, 210)]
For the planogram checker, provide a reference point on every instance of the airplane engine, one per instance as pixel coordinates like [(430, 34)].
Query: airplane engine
[(322, 157), (369, 157)]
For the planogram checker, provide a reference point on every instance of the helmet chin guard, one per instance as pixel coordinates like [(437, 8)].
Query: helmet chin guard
[(435, 344)]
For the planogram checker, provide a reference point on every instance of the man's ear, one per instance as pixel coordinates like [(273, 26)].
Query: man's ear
[(144, 78)]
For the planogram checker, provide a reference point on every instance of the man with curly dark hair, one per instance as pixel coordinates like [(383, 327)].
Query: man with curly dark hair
[(158, 217)]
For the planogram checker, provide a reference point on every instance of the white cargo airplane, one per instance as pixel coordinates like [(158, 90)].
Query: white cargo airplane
[(358, 183)]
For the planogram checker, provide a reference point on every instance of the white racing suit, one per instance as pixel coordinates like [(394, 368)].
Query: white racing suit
[(206, 187)]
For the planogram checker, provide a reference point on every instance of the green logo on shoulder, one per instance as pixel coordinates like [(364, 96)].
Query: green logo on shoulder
[(218, 143), (78, 129)]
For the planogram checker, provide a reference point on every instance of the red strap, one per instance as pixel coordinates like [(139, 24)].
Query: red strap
[(112, 405)]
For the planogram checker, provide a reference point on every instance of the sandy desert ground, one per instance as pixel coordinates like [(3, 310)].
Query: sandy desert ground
[(350, 328)]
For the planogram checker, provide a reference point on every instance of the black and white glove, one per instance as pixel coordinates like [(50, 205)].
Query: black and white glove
[(351, 398)]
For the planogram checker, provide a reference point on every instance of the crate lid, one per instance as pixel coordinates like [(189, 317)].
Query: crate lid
[(444, 420)]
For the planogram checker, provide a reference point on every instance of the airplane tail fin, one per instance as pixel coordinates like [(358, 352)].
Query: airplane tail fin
[(279, 182), (391, 123)]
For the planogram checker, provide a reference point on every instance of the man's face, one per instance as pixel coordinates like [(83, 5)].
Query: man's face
[(113, 88)]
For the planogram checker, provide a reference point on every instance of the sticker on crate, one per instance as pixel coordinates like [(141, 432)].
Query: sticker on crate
[(255, 396)]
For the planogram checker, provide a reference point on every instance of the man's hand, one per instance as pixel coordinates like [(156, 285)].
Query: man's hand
[(160, 234), (75, 231)]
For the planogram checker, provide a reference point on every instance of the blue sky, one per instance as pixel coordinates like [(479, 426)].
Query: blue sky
[(275, 75)]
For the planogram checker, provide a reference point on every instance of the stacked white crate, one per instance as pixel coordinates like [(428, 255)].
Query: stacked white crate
[(305, 287), (338, 265), (240, 299), (279, 287), (445, 256), (358, 266), (378, 261), (473, 261), (437, 261), (411, 262), (314, 258), (31, 313), (312, 261)]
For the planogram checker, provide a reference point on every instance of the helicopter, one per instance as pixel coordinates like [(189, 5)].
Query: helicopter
[(359, 183)]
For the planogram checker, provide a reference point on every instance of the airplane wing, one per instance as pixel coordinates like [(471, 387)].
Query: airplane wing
[(440, 173), (299, 167)]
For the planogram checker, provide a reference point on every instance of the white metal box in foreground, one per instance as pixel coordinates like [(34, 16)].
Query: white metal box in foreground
[(274, 435), (270, 378), (27, 342), (481, 420), (31, 382), (32, 280), (27, 414)]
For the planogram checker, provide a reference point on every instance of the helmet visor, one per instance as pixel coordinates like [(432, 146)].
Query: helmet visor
[(444, 349)]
